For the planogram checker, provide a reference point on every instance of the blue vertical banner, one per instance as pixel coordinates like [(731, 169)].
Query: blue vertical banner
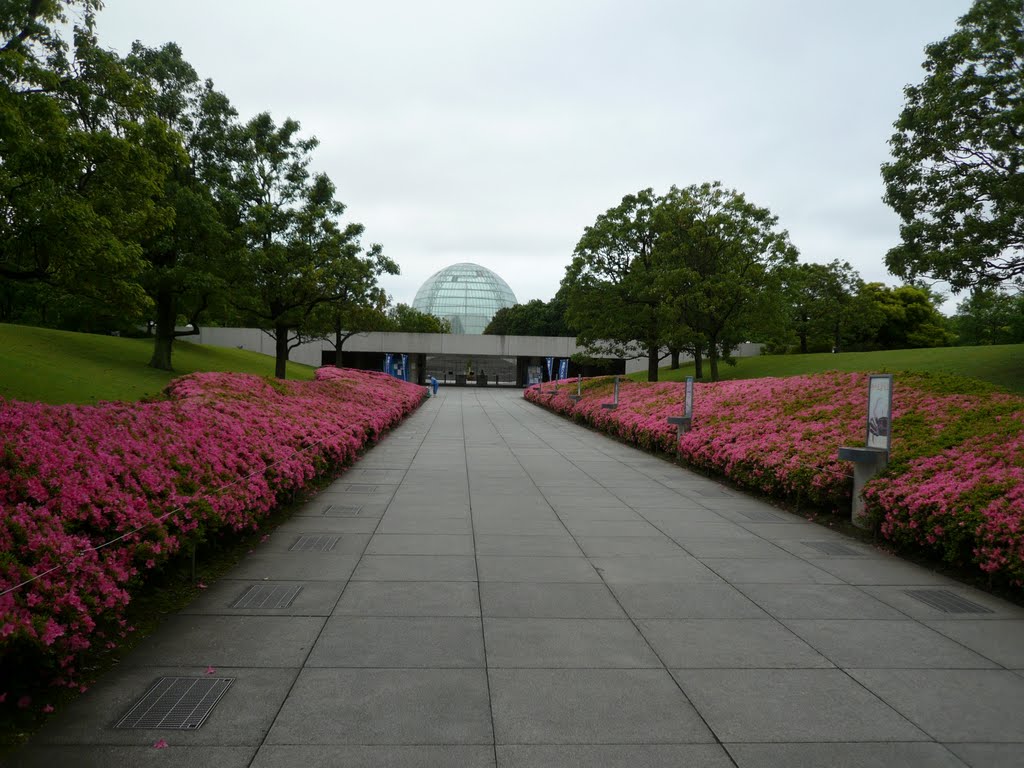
[(405, 367), (551, 362), (387, 363), (563, 368)]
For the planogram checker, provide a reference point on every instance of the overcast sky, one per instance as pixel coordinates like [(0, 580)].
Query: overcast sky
[(472, 131)]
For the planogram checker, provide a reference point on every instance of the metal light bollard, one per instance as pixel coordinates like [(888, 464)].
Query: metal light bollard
[(579, 389)]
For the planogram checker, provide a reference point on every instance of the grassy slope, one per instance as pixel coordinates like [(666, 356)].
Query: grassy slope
[(1000, 365), (61, 367)]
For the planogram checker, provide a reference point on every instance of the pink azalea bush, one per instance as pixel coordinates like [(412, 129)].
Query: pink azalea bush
[(92, 497), (955, 483)]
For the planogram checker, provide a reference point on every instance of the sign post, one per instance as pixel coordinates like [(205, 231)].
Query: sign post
[(684, 422), (874, 456), (579, 389), (615, 403)]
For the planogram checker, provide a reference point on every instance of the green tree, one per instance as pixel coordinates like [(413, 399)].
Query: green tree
[(719, 264), (82, 164), (822, 305), (990, 316), (402, 318), (534, 318), (613, 301), (956, 177), (296, 252), (908, 318), (186, 264)]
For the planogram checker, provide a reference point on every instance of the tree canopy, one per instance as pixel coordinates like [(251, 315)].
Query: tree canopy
[(696, 269), (957, 174)]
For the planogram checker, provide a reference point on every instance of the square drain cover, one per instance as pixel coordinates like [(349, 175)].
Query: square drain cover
[(179, 703), (946, 601), (833, 548), (760, 515), (268, 596), (314, 543), (360, 488), (713, 493), (342, 510)]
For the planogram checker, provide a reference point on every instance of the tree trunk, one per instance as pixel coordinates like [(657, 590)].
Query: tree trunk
[(698, 362), (166, 314), (803, 342), (281, 348), (675, 359), (652, 361), (838, 336), (713, 357), (338, 341)]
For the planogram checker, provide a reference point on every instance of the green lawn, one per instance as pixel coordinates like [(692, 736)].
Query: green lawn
[(61, 367), (1000, 365)]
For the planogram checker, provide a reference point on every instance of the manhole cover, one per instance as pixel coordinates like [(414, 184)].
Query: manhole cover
[(946, 601), (314, 543), (342, 510), (833, 548), (268, 596), (759, 515), (179, 703)]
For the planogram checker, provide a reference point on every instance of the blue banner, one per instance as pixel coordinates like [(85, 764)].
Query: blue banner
[(551, 362), (563, 368), (387, 363), (405, 367)]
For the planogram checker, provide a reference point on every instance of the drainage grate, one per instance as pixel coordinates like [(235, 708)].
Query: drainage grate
[(360, 488), (946, 601), (833, 548), (314, 543), (268, 596), (759, 515), (342, 510), (180, 703)]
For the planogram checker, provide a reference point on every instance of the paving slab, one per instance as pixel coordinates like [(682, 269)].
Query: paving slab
[(235, 597), (243, 641), (241, 718), (614, 756), (566, 644), (990, 755), (420, 544), (374, 641), (695, 601), (729, 644), (1001, 641), (592, 706), (385, 706), (333, 756), (415, 568), (792, 705), (105, 755), (921, 755), (540, 546), (876, 644), (953, 705), (409, 598)]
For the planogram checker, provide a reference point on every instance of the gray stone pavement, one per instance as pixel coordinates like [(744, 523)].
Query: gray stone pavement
[(493, 585)]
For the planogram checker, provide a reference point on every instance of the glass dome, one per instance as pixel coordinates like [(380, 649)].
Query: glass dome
[(467, 295)]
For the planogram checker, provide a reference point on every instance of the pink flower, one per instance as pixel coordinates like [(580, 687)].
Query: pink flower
[(160, 744), (211, 671)]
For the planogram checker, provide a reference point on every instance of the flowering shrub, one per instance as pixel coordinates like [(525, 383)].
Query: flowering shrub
[(954, 485), (214, 453)]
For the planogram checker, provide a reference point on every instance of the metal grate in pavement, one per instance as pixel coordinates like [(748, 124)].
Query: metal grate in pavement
[(268, 596), (179, 703), (342, 510), (360, 488), (713, 493), (759, 515), (833, 548), (314, 543), (946, 601)]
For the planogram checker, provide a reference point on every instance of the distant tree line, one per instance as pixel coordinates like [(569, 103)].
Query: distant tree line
[(133, 194)]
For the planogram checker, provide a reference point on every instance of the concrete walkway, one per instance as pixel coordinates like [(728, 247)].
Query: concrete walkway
[(493, 584)]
